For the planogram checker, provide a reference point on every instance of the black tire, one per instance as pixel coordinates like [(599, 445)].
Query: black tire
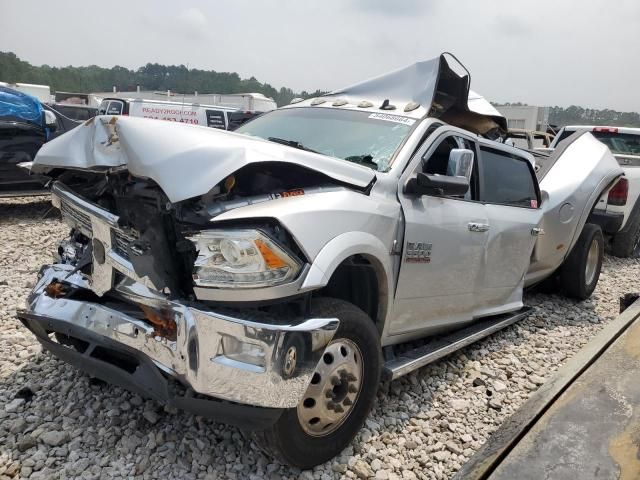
[(286, 440), (573, 273), (627, 243), (548, 286)]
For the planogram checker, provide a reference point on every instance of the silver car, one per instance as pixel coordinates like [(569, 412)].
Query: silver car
[(270, 277)]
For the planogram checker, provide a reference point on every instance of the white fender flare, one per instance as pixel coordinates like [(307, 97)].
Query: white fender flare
[(339, 249)]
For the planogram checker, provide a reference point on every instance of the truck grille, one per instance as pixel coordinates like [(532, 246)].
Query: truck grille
[(76, 218), (80, 220), (121, 242)]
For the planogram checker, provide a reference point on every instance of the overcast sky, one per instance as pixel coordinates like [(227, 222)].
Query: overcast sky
[(547, 52)]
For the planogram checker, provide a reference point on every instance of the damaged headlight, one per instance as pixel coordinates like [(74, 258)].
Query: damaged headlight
[(241, 258)]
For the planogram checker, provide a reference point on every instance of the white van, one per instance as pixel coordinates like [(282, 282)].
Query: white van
[(214, 116)]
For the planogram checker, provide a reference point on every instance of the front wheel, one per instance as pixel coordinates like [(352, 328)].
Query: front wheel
[(339, 397), (581, 270)]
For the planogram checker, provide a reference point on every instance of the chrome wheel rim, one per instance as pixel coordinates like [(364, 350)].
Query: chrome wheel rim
[(334, 389), (592, 262)]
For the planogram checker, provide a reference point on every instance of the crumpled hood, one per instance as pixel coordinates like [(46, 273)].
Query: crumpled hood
[(186, 161)]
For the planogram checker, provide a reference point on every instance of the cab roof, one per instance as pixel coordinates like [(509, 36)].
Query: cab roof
[(429, 88)]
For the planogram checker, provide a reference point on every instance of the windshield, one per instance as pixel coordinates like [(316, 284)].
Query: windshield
[(366, 138)]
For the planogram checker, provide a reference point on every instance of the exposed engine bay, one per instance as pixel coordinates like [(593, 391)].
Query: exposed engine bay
[(154, 233)]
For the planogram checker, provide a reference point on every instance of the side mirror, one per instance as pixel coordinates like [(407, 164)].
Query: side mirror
[(50, 120), (440, 185), (460, 163)]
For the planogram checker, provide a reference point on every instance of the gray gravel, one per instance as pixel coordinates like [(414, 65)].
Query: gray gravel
[(424, 426)]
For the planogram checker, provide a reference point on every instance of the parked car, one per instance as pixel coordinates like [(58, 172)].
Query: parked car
[(19, 142), (268, 278), (25, 125), (619, 212), (215, 116), (529, 139)]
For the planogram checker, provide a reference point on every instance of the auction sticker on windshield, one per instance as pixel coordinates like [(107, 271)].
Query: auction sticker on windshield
[(393, 118)]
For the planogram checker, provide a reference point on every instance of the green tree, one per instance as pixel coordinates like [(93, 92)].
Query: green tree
[(152, 76)]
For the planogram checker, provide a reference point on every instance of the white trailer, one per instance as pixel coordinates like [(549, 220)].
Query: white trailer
[(41, 92), (248, 102)]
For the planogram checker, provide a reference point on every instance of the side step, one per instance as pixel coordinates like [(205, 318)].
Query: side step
[(443, 345)]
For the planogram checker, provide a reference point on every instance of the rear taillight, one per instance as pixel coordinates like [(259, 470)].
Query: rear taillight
[(605, 129), (618, 194)]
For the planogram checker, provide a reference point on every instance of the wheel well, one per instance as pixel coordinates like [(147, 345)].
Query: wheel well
[(360, 280)]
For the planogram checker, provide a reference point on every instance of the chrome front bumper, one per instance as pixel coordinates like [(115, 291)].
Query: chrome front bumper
[(220, 355)]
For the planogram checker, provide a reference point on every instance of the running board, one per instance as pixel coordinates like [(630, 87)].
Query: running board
[(443, 345)]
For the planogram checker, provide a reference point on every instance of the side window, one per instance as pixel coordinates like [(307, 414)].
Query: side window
[(453, 156), (507, 180), (115, 108), (215, 119)]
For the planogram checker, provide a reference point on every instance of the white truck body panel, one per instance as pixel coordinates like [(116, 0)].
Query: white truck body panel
[(254, 102), (630, 165), (572, 193)]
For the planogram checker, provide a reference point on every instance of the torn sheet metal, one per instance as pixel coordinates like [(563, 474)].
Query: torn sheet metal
[(441, 92), (413, 83), (184, 160)]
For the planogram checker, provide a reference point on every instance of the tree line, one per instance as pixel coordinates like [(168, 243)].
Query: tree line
[(575, 115), (180, 79), (153, 76)]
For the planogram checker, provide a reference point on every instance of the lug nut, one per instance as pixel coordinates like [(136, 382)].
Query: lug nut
[(347, 402), (352, 389), (338, 409), (335, 381)]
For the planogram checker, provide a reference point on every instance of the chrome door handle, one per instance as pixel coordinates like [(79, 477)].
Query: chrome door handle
[(536, 232), (478, 227)]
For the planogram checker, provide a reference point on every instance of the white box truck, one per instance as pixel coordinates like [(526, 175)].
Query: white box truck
[(215, 116)]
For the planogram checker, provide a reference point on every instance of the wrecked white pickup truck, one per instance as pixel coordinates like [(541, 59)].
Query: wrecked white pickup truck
[(257, 277)]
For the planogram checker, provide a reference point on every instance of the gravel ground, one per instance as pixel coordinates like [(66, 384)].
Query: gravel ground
[(425, 425)]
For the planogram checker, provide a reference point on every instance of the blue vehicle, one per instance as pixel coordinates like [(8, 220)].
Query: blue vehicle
[(25, 125)]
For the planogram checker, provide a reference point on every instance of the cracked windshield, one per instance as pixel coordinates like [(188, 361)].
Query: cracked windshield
[(369, 139)]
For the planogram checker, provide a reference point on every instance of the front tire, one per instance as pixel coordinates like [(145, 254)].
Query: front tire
[(581, 270), (339, 397)]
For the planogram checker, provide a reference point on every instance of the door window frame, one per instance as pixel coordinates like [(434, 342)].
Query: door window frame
[(428, 146), (109, 106), (481, 176)]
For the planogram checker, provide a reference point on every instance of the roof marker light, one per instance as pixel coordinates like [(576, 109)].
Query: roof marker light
[(387, 106), (411, 106), (605, 129), (365, 104), (296, 100), (318, 101), (339, 102)]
